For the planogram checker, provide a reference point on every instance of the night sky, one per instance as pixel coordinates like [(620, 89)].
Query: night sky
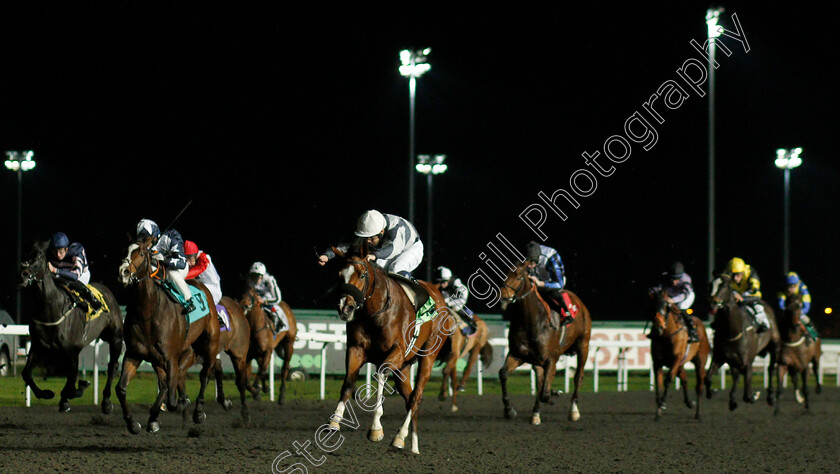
[(281, 125)]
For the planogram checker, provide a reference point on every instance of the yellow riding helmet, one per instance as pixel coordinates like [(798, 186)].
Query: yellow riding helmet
[(737, 265)]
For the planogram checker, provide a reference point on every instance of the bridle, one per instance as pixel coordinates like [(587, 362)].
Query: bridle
[(361, 296), (524, 279), (133, 269)]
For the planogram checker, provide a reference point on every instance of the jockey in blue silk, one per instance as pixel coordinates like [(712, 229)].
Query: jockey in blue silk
[(68, 262), (546, 270), (795, 286), (678, 291), (168, 248), (455, 293)]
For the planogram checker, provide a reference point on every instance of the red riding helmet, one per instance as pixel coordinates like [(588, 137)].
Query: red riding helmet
[(190, 248)]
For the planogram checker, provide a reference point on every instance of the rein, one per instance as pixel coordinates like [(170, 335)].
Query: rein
[(516, 297), (363, 295)]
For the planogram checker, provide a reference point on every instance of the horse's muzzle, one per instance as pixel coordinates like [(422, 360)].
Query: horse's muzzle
[(346, 309)]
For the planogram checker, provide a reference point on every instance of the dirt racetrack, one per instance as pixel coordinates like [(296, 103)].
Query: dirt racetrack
[(616, 433)]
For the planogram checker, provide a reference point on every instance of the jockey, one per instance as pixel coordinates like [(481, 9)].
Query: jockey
[(678, 289), (68, 263), (168, 248), (795, 286), (203, 270), (546, 270), (269, 293), (394, 242), (747, 288), (455, 294)]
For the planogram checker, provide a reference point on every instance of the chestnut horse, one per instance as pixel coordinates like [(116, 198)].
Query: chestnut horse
[(797, 353), (382, 328), (60, 331), (235, 342), (737, 343), (156, 331), (533, 340), (264, 340), (669, 347), (475, 345)]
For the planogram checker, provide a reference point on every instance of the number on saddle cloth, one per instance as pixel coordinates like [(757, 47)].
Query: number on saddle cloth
[(201, 308)]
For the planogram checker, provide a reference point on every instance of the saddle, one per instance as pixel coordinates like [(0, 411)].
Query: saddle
[(418, 295)]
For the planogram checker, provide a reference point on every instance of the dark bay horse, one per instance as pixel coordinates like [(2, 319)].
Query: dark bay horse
[(383, 329), (737, 343), (264, 340), (669, 347), (476, 345), (60, 331), (156, 331), (533, 340), (797, 352)]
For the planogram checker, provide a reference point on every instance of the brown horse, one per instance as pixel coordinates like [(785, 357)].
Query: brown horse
[(383, 329), (737, 343), (156, 331), (264, 340), (475, 345), (235, 342), (797, 352), (62, 330), (533, 340), (669, 347)]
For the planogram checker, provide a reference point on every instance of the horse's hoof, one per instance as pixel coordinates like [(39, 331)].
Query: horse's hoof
[(510, 413), (152, 427), (799, 398), (658, 415), (454, 408), (64, 407), (818, 389), (690, 403), (376, 435), (226, 404), (134, 427), (107, 407), (398, 443), (733, 405), (335, 426), (198, 418), (246, 417), (753, 398), (535, 419), (442, 397), (574, 413)]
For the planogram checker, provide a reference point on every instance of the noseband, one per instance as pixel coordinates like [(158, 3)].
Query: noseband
[(362, 295), (516, 297)]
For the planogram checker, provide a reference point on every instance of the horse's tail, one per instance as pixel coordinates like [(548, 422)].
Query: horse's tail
[(444, 353), (486, 354)]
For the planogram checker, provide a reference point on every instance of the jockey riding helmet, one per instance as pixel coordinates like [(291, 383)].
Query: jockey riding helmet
[(258, 268), (59, 241), (370, 223), (737, 265), (148, 228), (533, 251), (676, 271), (792, 278), (190, 248), (444, 274)]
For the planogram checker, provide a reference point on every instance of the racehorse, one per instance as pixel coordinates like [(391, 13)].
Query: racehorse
[(737, 343), (475, 345), (534, 340), (669, 347), (62, 330), (797, 352), (264, 340), (384, 328), (156, 331)]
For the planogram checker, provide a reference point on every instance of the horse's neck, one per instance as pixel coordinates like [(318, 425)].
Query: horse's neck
[(533, 309), (53, 299)]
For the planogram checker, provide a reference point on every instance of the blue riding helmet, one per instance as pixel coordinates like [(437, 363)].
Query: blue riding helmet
[(792, 278), (59, 240)]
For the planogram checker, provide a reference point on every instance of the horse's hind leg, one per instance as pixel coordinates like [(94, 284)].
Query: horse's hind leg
[(32, 361), (582, 355), (805, 387), (681, 373), (540, 376), (114, 348), (129, 369), (242, 372), (289, 347), (220, 389), (164, 387), (749, 395), (511, 363), (474, 353), (733, 403), (204, 376), (781, 369)]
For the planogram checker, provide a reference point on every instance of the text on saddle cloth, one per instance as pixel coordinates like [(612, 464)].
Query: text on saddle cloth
[(91, 314), (200, 308)]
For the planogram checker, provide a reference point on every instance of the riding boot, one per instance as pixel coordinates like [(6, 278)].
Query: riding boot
[(692, 331), (189, 306)]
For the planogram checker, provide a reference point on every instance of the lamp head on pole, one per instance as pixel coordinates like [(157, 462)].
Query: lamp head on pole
[(431, 164), (20, 160), (788, 159), (414, 62), (712, 15)]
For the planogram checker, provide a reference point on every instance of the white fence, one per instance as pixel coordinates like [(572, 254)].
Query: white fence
[(611, 349)]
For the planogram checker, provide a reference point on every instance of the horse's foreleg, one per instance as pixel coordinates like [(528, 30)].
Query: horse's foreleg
[(242, 371), (32, 361), (204, 376), (511, 363), (700, 374), (114, 349), (735, 371), (446, 376), (815, 364), (582, 355), (805, 386), (681, 373), (71, 390), (660, 399), (129, 369), (707, 381), (164, 386), (539, 375), (749, 395), (424, 372), (781, 369), (376, 433), (354, 359), (220, 389), (474, 353)]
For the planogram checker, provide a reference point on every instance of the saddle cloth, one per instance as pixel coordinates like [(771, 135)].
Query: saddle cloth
[(201, 308), (91, 314), (224, 317)]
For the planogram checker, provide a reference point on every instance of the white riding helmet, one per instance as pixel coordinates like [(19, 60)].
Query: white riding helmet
[(444, 274), (258, 268), (147, 227), (370, 223)]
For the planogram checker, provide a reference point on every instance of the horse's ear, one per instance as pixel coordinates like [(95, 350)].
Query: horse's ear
[(337, 252)]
